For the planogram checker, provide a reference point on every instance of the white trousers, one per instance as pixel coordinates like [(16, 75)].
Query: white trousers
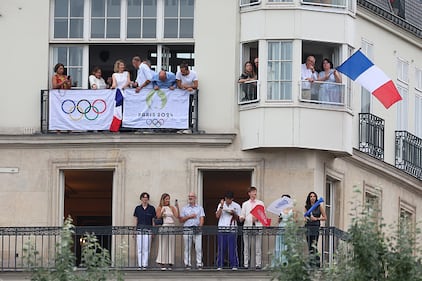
[(248, 241), (196, 239), (144, 246)]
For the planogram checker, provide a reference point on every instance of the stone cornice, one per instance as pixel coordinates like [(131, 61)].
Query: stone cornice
[(385, 170), (88, 140)]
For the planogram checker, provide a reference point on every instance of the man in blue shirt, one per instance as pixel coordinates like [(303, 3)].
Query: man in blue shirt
[(192, 217), (144, 214), (164, 80)]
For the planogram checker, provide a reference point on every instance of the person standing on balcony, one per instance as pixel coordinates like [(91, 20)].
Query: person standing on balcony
[(192, 217), (60, 80), (166, 240), (251, 228), (248, 80), (96, 81), (313, 223), (308, 76), (144, 214), (227, 214), (328, 91), (144, 74), (186, 79), (164, 80), (256, 66), (120, 77)]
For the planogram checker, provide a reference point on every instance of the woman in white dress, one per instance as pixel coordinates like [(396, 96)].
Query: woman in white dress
[(121, 78), (166, 240)]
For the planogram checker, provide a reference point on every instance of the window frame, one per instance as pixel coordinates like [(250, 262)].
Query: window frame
[(280, 66)]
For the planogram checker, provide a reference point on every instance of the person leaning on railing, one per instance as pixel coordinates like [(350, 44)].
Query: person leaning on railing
[(329, 91), (59, 79), (186, 79), (96, 81), (248, 87)]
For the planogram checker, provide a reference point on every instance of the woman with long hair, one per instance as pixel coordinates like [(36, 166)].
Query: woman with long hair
[(166, 240)]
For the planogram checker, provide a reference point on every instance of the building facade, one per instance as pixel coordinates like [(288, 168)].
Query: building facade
[(280, 141)]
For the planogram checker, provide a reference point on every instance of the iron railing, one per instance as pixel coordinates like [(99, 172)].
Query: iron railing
[(371, 135), (121, 243), (409, 153), (193, 112)]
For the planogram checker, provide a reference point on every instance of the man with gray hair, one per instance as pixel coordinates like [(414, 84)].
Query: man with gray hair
[(192, 217)]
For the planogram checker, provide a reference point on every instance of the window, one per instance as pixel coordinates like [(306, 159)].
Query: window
[(142, 19), (403, 71), (366, 96), (105, 19), (372, 203), (178, 18), (71, 57), (68, 18), (418, 79), (279, 75), (402, 109), (418, 115), (407, 219)]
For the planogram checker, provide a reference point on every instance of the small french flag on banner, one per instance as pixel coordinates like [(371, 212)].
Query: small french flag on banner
[(360, 69), (117, 116)]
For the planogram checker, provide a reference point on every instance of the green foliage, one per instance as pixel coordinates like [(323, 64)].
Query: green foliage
[(294, 265), (372, 256), (95, 260)]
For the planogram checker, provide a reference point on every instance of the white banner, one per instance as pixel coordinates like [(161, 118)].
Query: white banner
[(81, 109), (156, 109)]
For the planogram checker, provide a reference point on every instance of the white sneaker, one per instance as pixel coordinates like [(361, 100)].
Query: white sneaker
[(234, 268), (218, 268)]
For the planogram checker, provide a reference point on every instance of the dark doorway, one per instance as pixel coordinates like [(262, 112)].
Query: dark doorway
[(215, 185), (88, 200)]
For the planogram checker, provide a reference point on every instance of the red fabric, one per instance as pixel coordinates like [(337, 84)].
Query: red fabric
[(259, 213), (387, 94)]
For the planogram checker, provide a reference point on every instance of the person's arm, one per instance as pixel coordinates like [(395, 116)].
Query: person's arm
[(158, 213), (337, 76), (219, 209), (323, 216), (175, 212), (127, 81), (195, 85), (54, 83), (242, 216), (114, 82)]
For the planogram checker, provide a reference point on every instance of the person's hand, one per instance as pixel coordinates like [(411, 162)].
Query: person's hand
[(171, 88), (138, 89), (156, 88), (190, 89), (94, 86)]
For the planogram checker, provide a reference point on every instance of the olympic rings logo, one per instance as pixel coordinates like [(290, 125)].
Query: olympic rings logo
[(84, 108), (155, 122)]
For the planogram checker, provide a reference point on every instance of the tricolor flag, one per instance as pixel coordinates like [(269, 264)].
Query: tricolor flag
[(360, 69), (117, 117)]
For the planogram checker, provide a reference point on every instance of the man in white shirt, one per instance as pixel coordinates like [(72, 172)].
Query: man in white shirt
[(250, 232), (144, 74), (308, 76), (186, 79), (227, 214), (192, 217)]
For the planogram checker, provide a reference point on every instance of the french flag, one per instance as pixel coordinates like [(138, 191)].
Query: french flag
[(117, 116), (360, 69)]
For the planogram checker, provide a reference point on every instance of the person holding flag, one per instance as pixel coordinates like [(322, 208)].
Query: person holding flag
[(251, 227), (314, 214)]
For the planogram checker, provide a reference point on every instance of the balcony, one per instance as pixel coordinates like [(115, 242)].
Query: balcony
[(192, 114), (121, 243), (371, 135), (409, 153), (316, 118)]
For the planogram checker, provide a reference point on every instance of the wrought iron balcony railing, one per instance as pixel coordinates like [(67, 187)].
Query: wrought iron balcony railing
[(121, 243), (409, 153), (371, 135)]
